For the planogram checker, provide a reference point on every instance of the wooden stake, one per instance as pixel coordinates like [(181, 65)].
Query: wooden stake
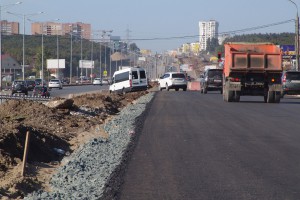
[(25, 152)]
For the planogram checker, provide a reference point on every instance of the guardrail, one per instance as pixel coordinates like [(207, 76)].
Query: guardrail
[(4, 97)]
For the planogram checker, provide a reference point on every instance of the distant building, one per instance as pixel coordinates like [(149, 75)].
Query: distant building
[(195, 48), (207, 30), (10, 68), (222, 38), (9, 28), (55, 28)]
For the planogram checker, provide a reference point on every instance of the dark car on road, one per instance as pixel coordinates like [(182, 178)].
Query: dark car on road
[(290, 83), (211, 80), (19, 87), (30, 84)]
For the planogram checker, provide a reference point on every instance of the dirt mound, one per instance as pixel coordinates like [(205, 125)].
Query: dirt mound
[(54, 133)]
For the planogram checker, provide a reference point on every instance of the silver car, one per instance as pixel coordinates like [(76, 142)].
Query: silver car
[(290, 83), (55, 83), (97, 81), (173, 80)]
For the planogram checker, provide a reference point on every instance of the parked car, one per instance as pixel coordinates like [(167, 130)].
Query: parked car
[(30, 84), (173, 80), (41, 91), (105, 81), (290, 83), (38, 81), (19, 87), (55, 83), (65, 81), (97, 81), (211, 80)]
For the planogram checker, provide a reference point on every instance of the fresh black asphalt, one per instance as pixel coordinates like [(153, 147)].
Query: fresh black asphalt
[(195, 146)]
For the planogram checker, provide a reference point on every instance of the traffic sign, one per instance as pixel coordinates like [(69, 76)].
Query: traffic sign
[(104, 73)]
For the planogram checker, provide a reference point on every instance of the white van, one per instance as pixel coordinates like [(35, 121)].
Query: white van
[(129, 79)]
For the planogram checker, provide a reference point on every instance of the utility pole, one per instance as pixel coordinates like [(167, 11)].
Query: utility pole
[(296, 35), (297, 42)]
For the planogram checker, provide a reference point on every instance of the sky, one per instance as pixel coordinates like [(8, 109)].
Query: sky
[(152, 24)]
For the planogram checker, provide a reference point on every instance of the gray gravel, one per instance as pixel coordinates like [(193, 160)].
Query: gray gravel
[(95, 170)]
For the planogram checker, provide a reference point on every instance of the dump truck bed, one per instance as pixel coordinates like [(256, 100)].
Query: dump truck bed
[(252, 57)]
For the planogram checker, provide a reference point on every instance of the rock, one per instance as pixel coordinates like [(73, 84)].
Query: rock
[(60, 103)]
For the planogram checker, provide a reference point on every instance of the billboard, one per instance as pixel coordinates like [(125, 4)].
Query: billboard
[(89, 64), (288, 51), (56, 63)]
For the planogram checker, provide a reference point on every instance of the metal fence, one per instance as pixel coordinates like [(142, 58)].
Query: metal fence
[(4, 97)]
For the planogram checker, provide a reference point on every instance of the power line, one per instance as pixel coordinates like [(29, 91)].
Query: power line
[(222, 33)]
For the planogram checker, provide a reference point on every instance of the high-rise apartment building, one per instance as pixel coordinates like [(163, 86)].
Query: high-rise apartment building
[(207, 30), (55, 28), (9, 28)]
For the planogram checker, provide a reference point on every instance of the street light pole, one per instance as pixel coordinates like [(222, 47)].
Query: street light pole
[(71, 56), (24, 17), (81, 58), (92, 52), (1, 6), (297, 35), (42, 54), (57, 52), (100, 57)]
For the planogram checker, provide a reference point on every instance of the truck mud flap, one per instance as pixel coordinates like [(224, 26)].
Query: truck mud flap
[(231, 86), (275, 87)]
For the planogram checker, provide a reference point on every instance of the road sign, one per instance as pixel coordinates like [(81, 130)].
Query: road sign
[(105, 73)]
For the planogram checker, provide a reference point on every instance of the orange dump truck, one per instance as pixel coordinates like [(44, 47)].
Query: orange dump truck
[(252, 69)]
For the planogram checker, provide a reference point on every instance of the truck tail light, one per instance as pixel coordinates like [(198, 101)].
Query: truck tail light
[(235, 79), (130, 83)]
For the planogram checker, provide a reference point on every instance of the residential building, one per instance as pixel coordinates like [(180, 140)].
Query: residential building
[(195, 48), (9, 28), (55, 28), (10, 68), (222, 38), (207, 30)]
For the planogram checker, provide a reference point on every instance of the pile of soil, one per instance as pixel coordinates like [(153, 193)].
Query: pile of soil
[(54, 133)]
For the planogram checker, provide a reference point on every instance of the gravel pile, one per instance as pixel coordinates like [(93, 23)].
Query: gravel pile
[(95, 170)]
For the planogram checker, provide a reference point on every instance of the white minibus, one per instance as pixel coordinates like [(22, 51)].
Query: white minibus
[(128, 80)]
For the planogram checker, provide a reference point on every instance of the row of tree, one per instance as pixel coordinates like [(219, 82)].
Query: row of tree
[(276, 38), (85, 49)]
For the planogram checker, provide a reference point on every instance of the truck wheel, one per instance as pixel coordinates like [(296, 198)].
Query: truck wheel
[(184, 89), (231, 96), (237, 96), (228, 96), (270, 97), (277, 97), (176, 89)]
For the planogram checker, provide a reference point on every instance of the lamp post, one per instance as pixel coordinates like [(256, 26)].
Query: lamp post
[(71, 55), (100, 56), (81, 57), (104, 32), (57, 51), (3, 6), (92, 52), (297, 35), (24, 17)]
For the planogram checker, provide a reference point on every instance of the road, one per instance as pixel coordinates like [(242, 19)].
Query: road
[(195, 146)]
